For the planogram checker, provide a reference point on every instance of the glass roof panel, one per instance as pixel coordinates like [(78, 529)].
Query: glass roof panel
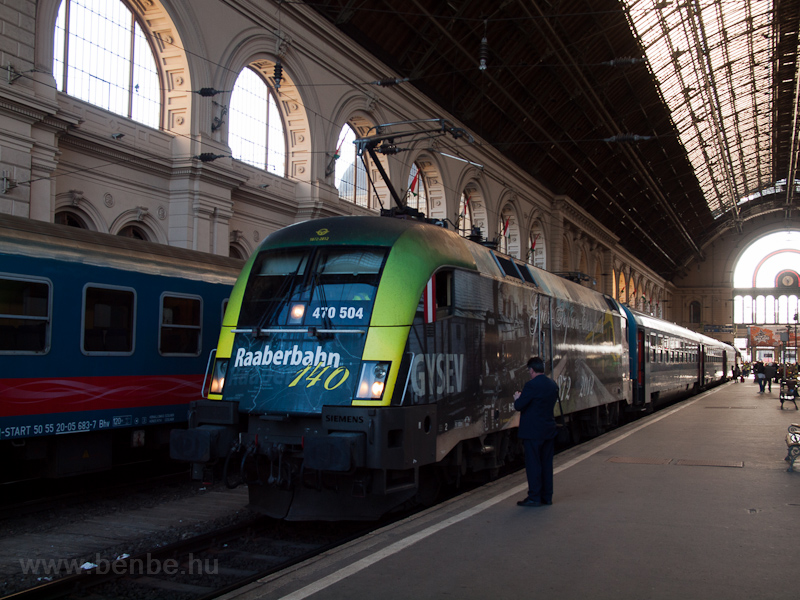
[(712, 59)]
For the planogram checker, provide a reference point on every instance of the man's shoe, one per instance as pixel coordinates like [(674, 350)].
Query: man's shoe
[(547, 502), (529, 502)]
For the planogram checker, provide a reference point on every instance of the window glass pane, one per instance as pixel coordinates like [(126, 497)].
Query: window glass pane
[(345, 163), (465, 214), (711, 61), (146, 97), (108, 320), (351, 176), (276, 142), (180, 325), (347, 276), (24, 315), (272, 280), (248, 119), (339, 289), (508, 267), (417, 196), (256, 133)]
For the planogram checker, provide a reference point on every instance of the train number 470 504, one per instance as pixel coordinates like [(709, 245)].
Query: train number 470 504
[(344, 312)]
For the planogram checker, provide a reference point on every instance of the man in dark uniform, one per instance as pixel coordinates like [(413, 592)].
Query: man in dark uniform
[(537, 430)]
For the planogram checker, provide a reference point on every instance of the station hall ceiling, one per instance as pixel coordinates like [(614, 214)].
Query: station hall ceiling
[(669, 121)]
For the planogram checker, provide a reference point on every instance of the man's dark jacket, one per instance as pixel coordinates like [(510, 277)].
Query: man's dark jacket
[(536, 404)]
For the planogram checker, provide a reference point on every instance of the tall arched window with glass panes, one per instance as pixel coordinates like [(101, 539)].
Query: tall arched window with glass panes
[(465, 213), (417, 194), (351, 174), (256, 132), (102, 56)]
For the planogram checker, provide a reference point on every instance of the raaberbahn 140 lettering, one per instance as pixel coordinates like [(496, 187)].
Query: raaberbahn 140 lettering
[(294, 357)]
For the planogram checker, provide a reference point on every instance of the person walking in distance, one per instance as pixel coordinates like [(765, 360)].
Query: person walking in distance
[(770, 373), (761, 378), (537, 430)]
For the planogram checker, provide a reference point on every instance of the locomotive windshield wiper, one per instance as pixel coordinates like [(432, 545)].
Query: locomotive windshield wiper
[(326, 320), (271, 311)]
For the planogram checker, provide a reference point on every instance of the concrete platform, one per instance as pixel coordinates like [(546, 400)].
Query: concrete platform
[(692, 502)]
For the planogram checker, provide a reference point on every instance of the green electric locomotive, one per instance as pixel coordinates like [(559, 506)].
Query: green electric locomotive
[(364, 360)]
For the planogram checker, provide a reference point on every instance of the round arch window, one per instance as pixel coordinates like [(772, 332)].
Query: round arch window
[(132, 231)]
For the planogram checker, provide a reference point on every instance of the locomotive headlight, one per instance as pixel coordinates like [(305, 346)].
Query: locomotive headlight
[(372, 382), (218, 377), (296, 313)]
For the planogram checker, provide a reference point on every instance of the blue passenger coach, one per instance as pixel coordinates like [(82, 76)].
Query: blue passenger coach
[(669, 361), (103, 342)]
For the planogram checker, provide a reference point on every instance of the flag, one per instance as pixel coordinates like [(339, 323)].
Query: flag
[(429, 301), (533, 245), (414, 183), (505, 227), (338, 152), (466, 204)]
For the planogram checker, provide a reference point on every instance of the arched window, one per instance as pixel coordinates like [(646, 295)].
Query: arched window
[(65, 217), (351, 175), (566, 254), (465, 213), (694, 312), (102, 56), (506, 230), (417, 196), (256, 132), (133, 231), (537, 251)]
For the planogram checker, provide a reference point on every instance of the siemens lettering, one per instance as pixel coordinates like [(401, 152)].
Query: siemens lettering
[(343, 419), (437, 374), (294, 357)]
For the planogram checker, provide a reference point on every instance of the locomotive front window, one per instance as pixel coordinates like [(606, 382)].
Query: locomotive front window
[(338, 287), (275, 276), (344, 284)]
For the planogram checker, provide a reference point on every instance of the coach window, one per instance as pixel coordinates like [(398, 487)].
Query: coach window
[(108, 320), (25, 306), (181, 318)]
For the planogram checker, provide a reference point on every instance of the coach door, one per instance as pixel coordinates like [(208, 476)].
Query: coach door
[(701, 365)]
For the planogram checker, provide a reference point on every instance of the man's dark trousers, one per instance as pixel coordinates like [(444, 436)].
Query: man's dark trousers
[(539, 468)]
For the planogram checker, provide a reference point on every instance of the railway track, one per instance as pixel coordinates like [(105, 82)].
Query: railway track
[(28, 498), (201, 567)]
